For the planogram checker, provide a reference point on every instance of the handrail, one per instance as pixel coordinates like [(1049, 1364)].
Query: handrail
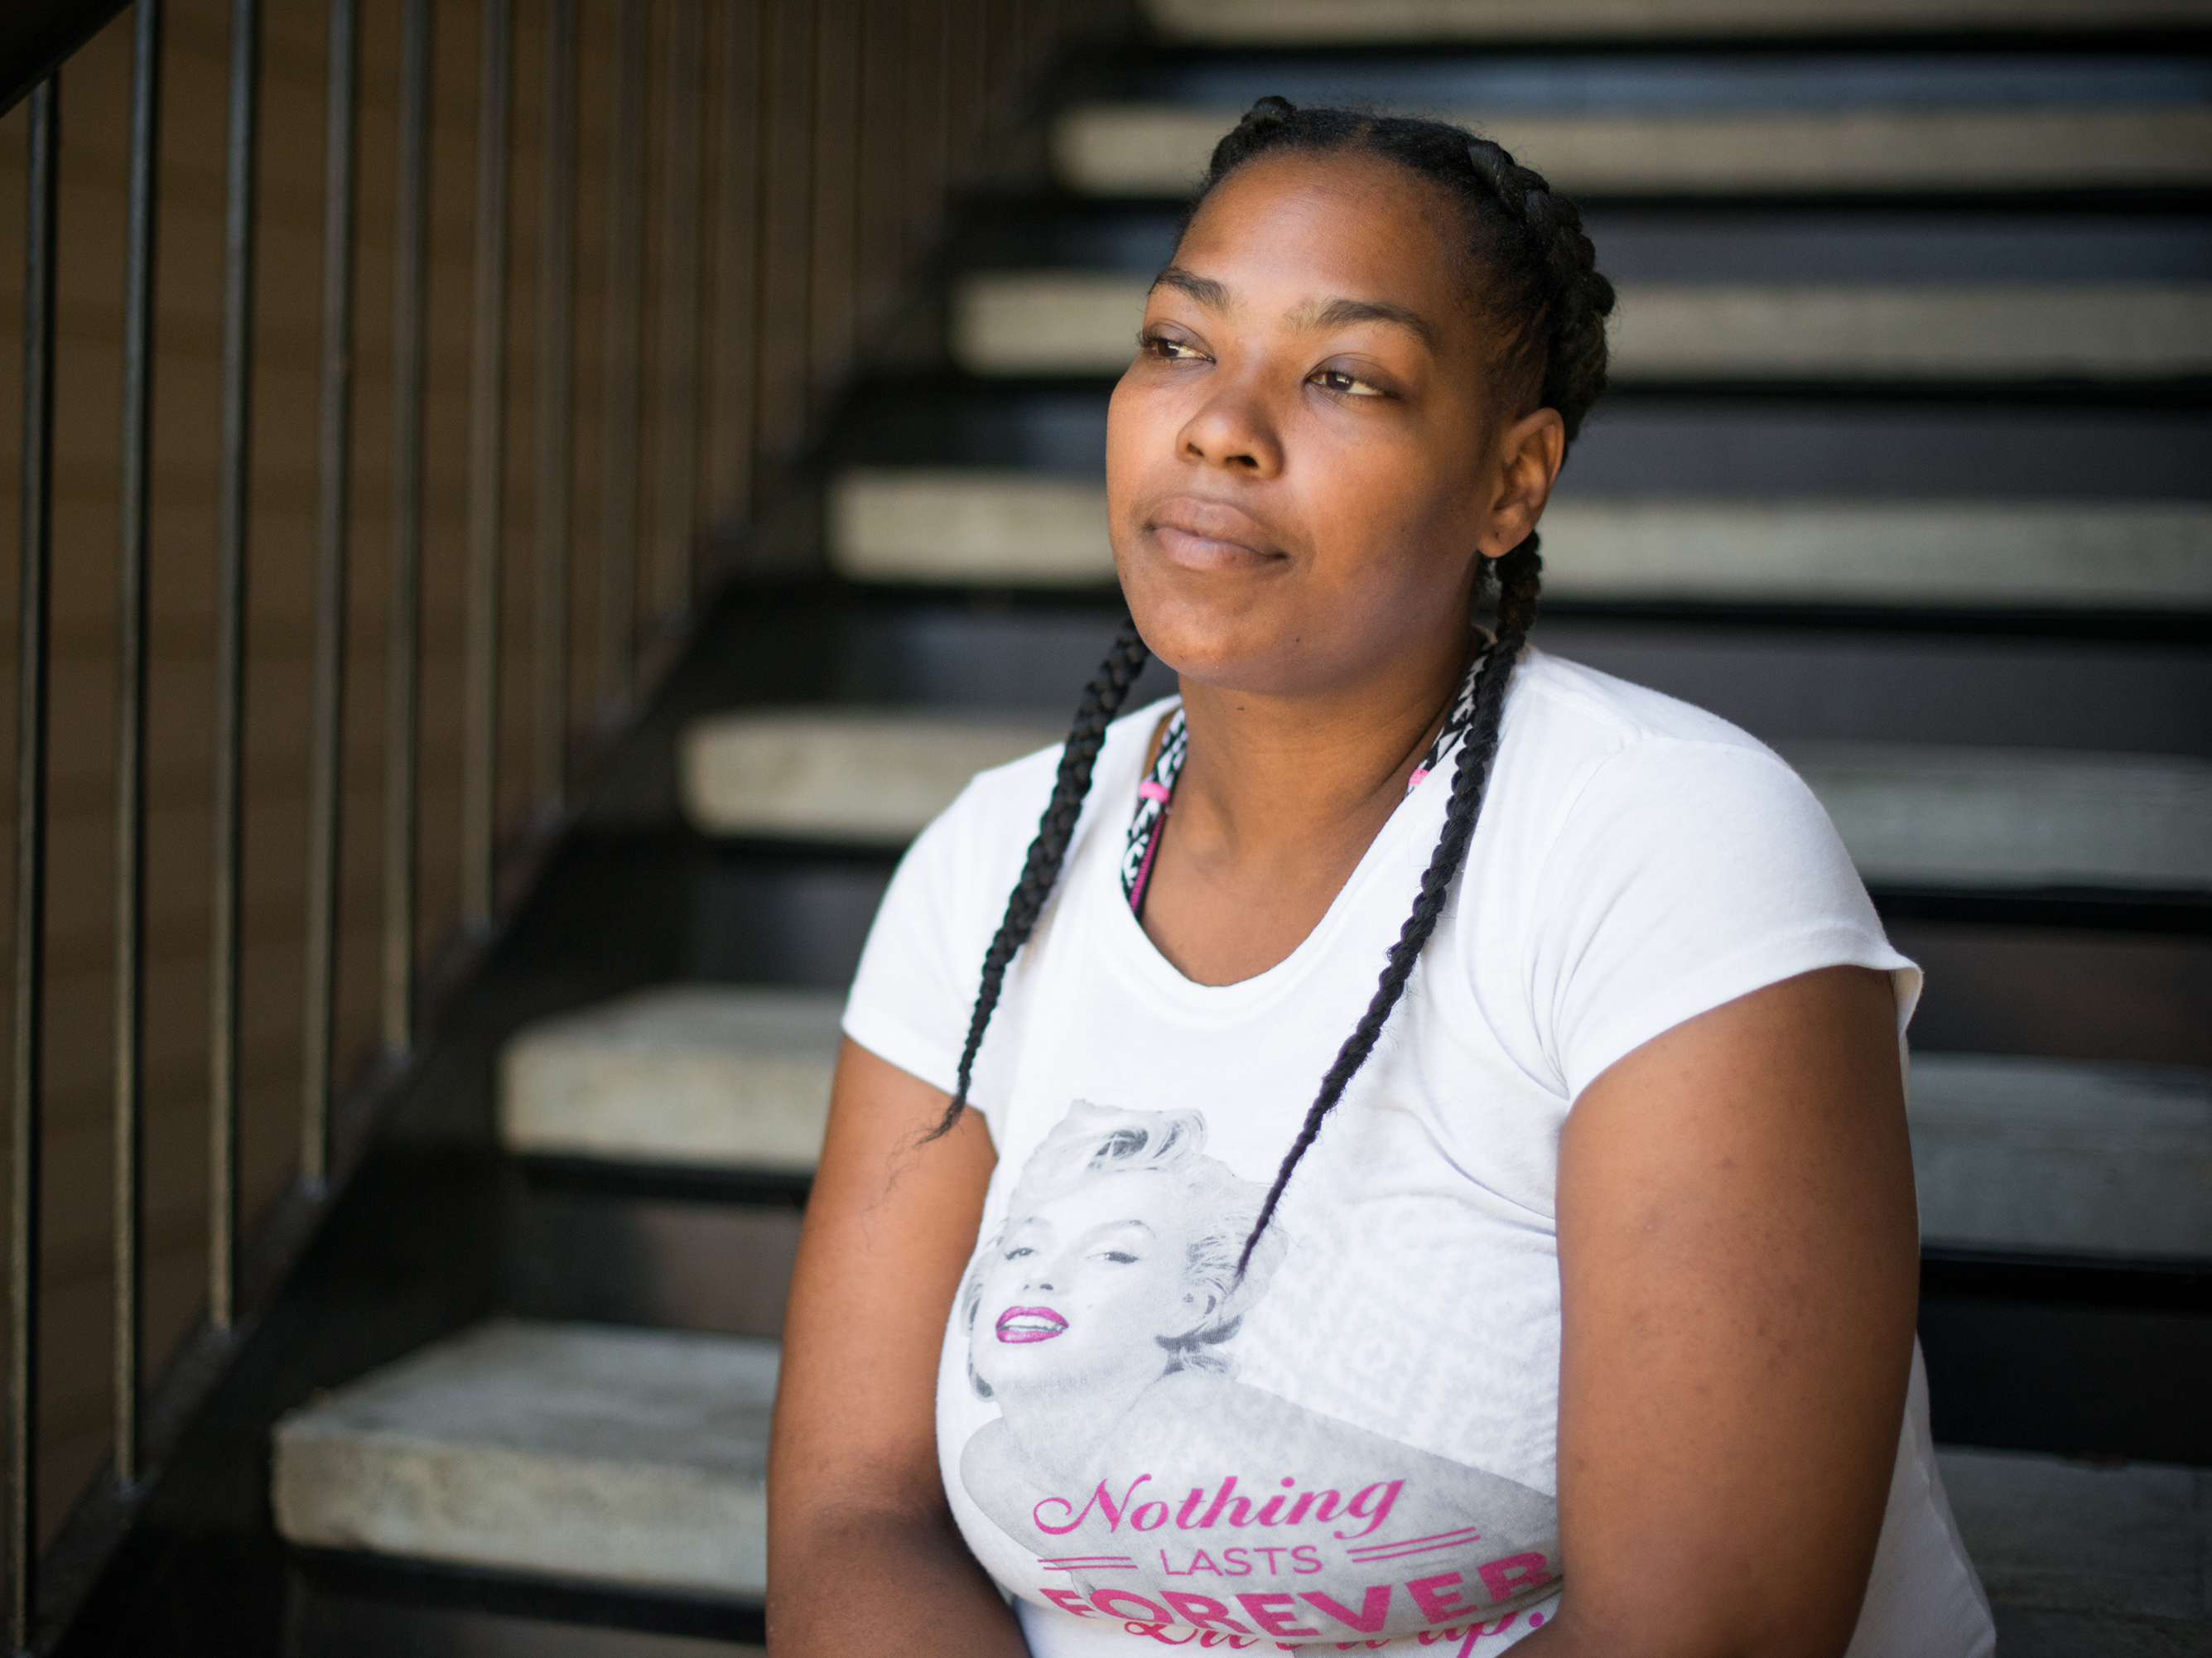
[(38, 36), (668, 296)]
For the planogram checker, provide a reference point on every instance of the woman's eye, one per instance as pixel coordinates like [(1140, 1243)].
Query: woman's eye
[(1019, 1251), (1339, 380), (1170, 350), (1120, 1258)]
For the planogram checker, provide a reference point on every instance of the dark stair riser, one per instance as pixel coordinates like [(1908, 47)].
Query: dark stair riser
[(1802, 682), (1640, 447), (1800, 243)]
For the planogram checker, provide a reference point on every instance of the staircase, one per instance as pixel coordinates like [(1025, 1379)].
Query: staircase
[(1908, 472)]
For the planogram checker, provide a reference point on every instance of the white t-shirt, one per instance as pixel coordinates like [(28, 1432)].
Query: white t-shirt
[(1356, 1442)]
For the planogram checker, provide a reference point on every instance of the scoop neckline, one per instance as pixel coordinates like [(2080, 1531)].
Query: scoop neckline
[(1126, 933)]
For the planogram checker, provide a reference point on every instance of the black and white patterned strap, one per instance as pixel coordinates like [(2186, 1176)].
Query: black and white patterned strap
[(1156, 792)]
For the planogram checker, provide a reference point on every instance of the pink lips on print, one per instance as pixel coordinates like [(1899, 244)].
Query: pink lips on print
[(1029, 1324)]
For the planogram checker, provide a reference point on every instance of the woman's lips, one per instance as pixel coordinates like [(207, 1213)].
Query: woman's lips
[(1019, 1324), (1208, 535)]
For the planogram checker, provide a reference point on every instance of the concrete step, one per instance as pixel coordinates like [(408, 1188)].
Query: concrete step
[(842, 775), (2080, 1558), (1077, 322), (1366, 23), (1931, 815), (980, 526), (713, 1075), (2009, 1152), (638, 1458), (1147, 150), (617, 1456), (2041, 1155)]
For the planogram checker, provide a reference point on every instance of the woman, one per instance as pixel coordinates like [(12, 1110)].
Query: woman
[(1603, 1201)]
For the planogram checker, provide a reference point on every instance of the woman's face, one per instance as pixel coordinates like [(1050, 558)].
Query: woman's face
[(1304, 462), (1079, 1290)]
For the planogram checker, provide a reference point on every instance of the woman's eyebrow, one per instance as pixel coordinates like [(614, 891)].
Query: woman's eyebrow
[(1336, 314), (1213, 295)]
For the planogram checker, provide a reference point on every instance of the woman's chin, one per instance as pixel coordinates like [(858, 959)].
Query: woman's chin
[(1207, 641)]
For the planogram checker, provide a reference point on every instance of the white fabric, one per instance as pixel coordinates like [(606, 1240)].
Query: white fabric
[(1396, 1340)]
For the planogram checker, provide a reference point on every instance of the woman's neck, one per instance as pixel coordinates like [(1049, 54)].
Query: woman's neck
[(1278, 801)]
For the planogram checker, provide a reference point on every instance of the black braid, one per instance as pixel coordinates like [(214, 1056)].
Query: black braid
[(1101, 701), (1517, 573)]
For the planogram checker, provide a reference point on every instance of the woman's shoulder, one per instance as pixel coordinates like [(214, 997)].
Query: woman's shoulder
[(1593, 709), (1582, 749), (1578, 739)]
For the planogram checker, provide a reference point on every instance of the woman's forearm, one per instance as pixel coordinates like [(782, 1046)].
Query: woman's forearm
[(867, 1584)]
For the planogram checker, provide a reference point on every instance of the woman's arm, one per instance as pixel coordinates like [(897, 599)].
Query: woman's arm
[(1739, 1267), (863, 1554)]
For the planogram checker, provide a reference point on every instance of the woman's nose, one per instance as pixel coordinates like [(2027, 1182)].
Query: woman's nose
[(1233, 430)]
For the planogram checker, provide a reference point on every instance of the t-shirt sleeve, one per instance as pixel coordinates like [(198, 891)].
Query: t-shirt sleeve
[(915, 989), (1687, 874)]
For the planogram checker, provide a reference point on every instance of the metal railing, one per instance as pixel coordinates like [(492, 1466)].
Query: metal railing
[(706, 248)]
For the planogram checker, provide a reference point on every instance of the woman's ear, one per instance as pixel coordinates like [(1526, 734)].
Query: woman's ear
[(1530, 452)]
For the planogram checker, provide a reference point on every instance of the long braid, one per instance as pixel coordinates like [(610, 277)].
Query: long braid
[(1517, 574), (1101, 701)]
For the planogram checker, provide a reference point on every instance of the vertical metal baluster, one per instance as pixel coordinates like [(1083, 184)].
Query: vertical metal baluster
[(787, 235), (556, 292), (624, 323), (326, 762), (677, 434), (737, 241), (28, 1100), (829, 335), (227, 867), (130, 728), (403, 651), (486, 479), (879, 202), (964, 88), (929, 69)]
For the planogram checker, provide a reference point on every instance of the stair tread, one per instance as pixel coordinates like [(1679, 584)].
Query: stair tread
[(617, 1455), (1913, 815), (1085, 322), (1341, 22), (712, 1075), (868, 777), (1147, 149), (2046, 1533), (994, 526), (1935, 815), (2060, 1156), (640, 1457)]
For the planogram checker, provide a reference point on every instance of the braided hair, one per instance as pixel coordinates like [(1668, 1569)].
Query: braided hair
[(1547, 304)]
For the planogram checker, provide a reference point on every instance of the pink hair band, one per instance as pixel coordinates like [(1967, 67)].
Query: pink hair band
[(1148, 790)]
